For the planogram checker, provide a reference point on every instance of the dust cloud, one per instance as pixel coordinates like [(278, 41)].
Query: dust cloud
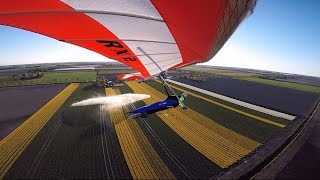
[(113, 101)]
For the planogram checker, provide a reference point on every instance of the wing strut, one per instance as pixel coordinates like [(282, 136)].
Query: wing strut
[(164, 82), (180, 99)]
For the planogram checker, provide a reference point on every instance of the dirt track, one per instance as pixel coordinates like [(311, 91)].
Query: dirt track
[(19, 103)]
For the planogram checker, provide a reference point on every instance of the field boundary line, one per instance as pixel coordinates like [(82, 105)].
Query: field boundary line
[(235, 101)]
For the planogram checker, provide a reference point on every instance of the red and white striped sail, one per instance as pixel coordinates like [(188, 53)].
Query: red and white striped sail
[(149, 36), (131, 76)]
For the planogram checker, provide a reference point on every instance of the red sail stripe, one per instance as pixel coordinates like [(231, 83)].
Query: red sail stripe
[(193, 25), (64, 26)]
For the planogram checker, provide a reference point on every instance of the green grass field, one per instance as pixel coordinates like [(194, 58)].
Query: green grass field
[(116, 71), (55, 77), (285, 84), (248, 76)]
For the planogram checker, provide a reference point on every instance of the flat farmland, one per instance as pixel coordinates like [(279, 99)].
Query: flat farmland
[(218, 71), (291, 101), (77, 142), (13, 145), (197, 122), (204, 135), (54, 77), (257, 126), (19, 103), (183, 160), (94, 142), (297, 82), (142, 159)]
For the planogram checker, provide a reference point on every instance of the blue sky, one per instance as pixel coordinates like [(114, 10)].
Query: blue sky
[(281, 35)]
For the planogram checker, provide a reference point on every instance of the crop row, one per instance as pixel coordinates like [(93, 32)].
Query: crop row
[(14, 144), (142, 160), (184, 161), (212, 125), (216, 101), (222, 150), (239, 123), (258, 118)]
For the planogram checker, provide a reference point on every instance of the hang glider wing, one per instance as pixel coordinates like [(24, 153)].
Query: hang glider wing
[(149, 36), (131, 76)]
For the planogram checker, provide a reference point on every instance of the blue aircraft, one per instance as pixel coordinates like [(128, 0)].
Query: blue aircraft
[(170, 102)]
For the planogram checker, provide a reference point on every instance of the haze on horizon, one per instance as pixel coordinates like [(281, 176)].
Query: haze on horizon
[(279, 36)]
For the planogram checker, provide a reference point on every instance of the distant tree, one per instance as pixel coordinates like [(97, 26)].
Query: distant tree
[(39, 74), (25, 76)]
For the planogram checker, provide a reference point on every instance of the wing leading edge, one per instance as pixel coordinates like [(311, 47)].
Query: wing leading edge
[(149, 36)]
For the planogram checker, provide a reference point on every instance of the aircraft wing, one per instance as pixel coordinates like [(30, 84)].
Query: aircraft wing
[(131, 76), (149, 36)]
